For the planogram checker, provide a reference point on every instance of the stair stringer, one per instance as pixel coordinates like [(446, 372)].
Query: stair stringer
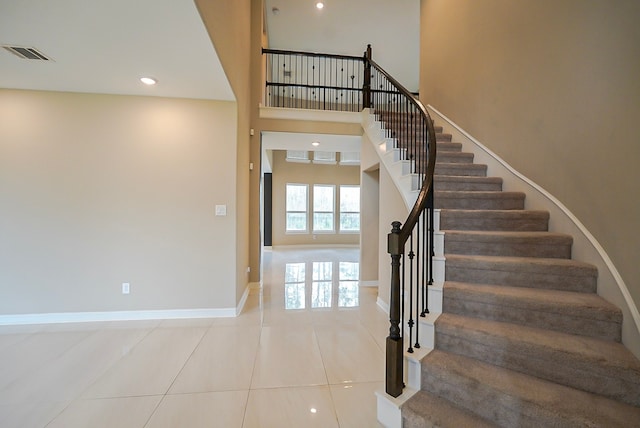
[(586, 248), (388, 408)]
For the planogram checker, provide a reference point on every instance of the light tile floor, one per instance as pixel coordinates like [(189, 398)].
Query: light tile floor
[(306, 352)]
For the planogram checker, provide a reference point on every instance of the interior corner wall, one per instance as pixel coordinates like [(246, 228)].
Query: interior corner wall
[(229, 26), (98, 190), (552, 87), (369, 224)]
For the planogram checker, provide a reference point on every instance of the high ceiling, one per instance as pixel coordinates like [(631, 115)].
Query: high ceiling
[(105, 46), (392, 27)]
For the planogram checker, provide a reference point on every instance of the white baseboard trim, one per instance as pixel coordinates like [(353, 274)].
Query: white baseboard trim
[(243, 300), (71, 317), (368, 283), (383, 305)]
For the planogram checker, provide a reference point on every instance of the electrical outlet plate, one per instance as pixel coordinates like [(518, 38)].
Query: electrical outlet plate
[(125, 288)]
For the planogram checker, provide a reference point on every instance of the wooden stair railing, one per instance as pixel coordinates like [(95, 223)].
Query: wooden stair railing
[(348, 83)]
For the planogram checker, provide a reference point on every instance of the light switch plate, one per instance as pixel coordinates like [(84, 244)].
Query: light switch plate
[(221, 210)]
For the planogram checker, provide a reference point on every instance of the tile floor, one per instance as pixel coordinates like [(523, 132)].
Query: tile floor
[(306, 352)]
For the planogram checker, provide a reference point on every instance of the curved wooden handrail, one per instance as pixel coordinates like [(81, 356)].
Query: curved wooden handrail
[(427, 184)]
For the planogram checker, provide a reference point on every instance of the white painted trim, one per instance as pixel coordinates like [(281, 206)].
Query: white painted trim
[(68, 317), (368, 283), (586, 247), (243, 299), (382, 304), (309, 114), (388, 408)]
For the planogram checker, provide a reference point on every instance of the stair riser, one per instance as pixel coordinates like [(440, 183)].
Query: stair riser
[(466, 186), (485, 401), (507, 247), (447, 146), (479, 202), (469, 170), (513, 276), (547, 318), (541, 362), (516, 222)]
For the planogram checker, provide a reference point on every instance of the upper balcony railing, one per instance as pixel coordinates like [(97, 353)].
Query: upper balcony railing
[(314, 81), (347, 83)]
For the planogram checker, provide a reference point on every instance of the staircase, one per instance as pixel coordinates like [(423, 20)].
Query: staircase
[(523, 340)]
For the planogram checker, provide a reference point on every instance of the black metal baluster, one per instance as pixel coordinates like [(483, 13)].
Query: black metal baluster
[(410, 322)]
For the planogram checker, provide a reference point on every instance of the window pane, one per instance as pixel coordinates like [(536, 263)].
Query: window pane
[(350, 222), (323, 198), (296, 197), (322, 221), (350, 198), (297, 221)]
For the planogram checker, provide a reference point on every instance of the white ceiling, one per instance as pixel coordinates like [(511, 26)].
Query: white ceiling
[(392, 27), (105, 46)]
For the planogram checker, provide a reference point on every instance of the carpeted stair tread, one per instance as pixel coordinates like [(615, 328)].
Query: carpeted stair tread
[(472, 169), (508, 243), (585, 314), (601, 367), (427, 410), (479, 200), (513, 399), (451, 219), (559, 274), (467, 183)]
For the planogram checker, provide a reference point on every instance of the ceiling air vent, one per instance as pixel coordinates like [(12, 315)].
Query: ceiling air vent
[(26, 53)]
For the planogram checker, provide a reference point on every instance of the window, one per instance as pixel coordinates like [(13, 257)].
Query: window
[(323, 208), (297, 156), (296, 206), (349, 208), (324, 157)]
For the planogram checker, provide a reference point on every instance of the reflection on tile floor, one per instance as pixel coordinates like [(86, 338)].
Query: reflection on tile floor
[(306, 352)]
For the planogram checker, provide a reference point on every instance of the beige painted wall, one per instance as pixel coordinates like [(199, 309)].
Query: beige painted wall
[(370, 224), (229, 24), (370, 216), (553, 88), (302, 173), (97, 190)]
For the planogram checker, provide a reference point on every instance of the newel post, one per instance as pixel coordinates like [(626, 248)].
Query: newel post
[(366, 86), (394, 381)]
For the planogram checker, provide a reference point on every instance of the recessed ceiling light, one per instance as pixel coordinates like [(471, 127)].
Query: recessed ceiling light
[(315, 143), (148, 80), (319, 5)]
